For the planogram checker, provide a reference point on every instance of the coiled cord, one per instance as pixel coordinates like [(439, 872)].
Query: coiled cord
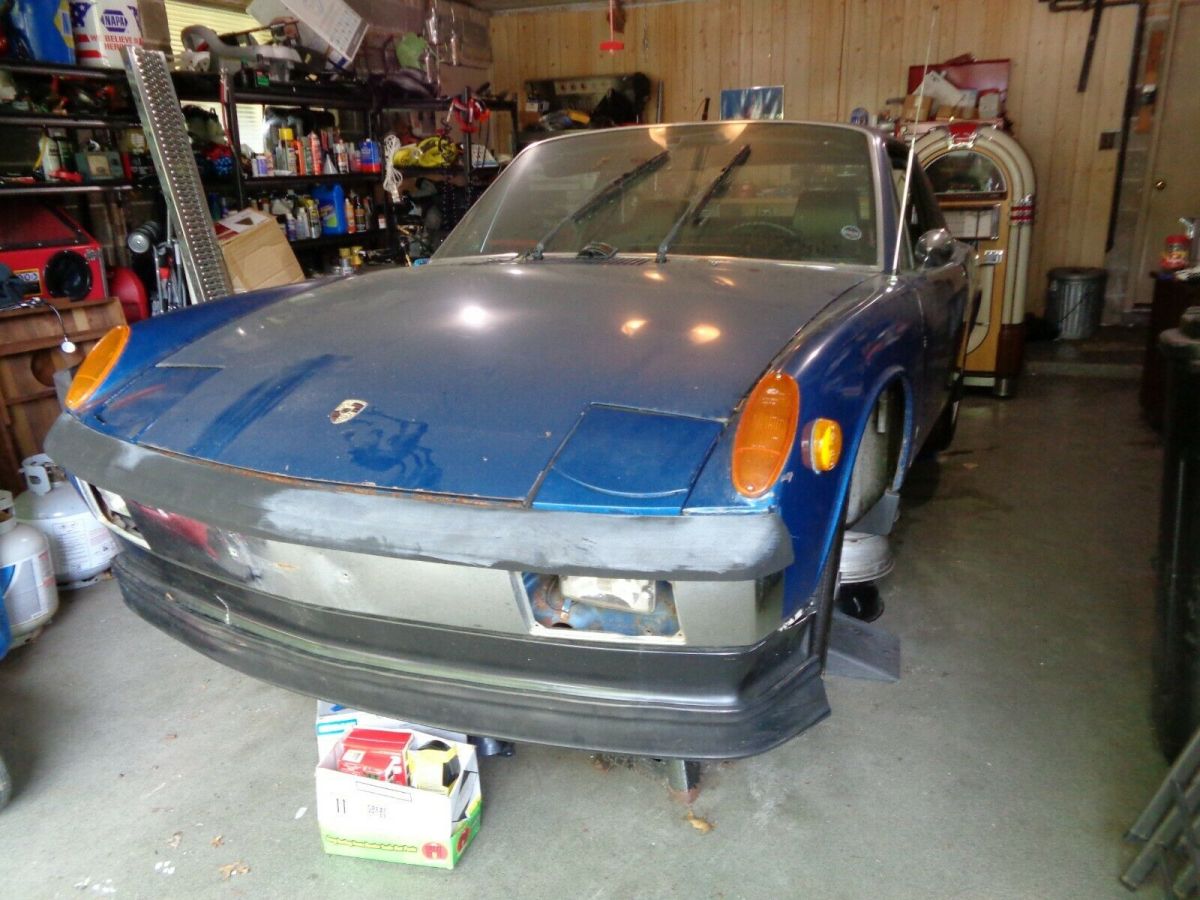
[(392, 179)]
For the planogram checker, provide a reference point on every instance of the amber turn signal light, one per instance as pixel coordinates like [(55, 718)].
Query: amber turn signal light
[(765, 434), (822, 444), (97, 366)]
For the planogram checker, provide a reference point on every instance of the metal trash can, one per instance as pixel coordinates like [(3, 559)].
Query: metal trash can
[(1176, 648), (1075, 301)]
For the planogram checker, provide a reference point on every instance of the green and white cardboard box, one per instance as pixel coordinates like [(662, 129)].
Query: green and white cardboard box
[(373, 819)]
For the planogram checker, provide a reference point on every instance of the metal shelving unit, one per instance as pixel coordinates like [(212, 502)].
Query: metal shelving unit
[(46, 120), (31, 67), (287, 181), (10, 118), (42, 188), (201, 87)]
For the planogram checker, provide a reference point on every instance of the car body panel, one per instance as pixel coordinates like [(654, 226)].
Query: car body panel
[(559, 332)]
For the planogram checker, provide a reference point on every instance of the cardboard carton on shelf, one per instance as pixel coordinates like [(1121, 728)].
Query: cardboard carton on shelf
[(256, 251), (914, 113), (950, 113)]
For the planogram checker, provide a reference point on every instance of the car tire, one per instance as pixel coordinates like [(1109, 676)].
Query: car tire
[(941, 436)]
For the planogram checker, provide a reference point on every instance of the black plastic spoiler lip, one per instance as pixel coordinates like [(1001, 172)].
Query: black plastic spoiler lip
[(675, 702), (710, 547)]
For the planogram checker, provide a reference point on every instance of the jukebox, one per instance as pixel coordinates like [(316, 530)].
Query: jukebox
[(984, 184)]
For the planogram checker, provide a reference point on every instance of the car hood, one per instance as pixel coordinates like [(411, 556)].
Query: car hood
[(465, 378)]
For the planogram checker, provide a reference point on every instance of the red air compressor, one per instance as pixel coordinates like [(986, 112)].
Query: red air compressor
[(50, 252)]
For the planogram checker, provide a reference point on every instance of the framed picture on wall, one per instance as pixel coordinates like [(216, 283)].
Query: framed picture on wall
[(752, 103)]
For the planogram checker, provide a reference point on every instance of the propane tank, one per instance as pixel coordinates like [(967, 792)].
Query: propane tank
[(26, 578), (80, 546)]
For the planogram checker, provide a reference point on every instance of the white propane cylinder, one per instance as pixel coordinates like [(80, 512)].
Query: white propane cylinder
[(26, 578), (80, 546)]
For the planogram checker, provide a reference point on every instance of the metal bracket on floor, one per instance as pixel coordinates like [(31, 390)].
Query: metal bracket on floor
[(683, 775), (1168, 831), (683, 778), (858, 649)]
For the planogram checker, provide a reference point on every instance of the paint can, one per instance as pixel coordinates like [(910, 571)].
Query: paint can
[(103, 29)]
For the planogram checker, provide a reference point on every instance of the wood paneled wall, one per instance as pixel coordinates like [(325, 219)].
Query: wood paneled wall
[(834, 55)]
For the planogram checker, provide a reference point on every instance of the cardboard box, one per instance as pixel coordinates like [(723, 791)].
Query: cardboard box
[(370, 819), (329, 26), (911, 113), (257, 253)]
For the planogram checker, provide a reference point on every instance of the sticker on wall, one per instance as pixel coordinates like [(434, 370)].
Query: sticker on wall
[(852, 232)]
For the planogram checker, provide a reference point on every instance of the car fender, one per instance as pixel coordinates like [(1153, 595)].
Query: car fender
[(872, 350)]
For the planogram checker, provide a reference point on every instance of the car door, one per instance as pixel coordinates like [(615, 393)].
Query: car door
[(941, 292)]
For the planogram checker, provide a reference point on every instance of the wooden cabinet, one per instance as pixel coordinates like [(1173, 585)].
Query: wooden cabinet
[(29, 357)]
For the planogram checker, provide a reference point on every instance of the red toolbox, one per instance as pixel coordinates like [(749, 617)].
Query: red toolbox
[(51, 253)]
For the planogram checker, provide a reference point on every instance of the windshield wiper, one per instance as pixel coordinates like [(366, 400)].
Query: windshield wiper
[(606, 194), (697, 205)]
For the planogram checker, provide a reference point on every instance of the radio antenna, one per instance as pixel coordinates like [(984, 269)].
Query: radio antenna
[(912, 145)]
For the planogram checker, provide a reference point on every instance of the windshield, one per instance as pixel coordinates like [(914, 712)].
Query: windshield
[(803, 193)]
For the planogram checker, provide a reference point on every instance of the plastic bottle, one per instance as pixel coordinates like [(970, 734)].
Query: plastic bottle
[(369, 151), (27, 577), (306, 151), (51, 159), (360, 214), (281, 158), (314, 217), (351, 224), (300, 215), (331, 200), (314, 152), (302, 163)]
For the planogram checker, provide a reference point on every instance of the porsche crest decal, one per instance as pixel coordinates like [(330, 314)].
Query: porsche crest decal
[(347, 410)]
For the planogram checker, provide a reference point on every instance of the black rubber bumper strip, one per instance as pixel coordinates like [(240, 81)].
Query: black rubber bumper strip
[(671, 702)]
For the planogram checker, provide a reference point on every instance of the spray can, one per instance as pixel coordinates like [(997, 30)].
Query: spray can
[(26, 575), (80, 546)]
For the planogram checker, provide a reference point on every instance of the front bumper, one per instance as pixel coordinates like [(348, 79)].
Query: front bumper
[(464, 531), (677, 702)]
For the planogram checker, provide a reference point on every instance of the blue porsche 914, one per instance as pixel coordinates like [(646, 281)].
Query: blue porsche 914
[(581, 480)]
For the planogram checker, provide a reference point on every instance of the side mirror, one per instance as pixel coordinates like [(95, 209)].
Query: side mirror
[(934, 248)]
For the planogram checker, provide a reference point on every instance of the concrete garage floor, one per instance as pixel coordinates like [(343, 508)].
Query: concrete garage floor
[(1006, 763)]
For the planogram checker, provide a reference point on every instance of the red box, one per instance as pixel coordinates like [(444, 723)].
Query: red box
[(375, 753), (51, 253)]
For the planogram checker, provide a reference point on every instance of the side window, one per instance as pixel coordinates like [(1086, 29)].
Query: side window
[(899, 163), (923, 212)]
